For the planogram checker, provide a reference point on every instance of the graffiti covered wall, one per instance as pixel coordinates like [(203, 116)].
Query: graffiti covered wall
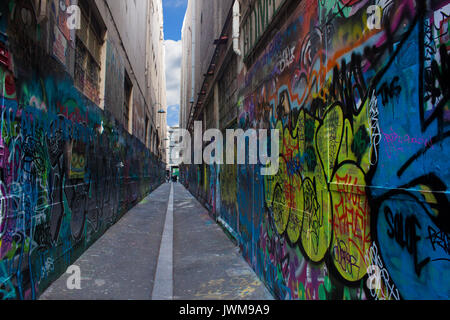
[(359, 208), (68, 170)]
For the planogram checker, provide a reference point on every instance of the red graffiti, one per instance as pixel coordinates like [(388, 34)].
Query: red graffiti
[(352, 209)]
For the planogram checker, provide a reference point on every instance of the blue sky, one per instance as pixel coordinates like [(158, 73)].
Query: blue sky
[(174, 11)]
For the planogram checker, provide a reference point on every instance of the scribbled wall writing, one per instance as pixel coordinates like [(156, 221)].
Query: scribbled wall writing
[(359, 208), (68, 170)]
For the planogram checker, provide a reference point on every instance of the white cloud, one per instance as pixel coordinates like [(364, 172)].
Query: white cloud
[(173, 71), (173, 108)]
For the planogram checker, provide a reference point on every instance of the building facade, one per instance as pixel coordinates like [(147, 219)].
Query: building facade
[(358, 93), (156, 71), (173, 150), (140, 31), (81, 83)]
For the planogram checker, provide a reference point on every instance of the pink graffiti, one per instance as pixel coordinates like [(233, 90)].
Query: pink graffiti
[(397, 143)]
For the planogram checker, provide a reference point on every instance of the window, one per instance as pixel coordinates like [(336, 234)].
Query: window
[(89, 42), (150, 145), (146, 130), (228, 89), (127, 101)]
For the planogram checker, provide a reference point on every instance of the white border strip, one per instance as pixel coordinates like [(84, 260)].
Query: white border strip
[(163, 285)]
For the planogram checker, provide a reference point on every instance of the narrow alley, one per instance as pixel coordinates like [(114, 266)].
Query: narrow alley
[(211, 150), (132, 260)]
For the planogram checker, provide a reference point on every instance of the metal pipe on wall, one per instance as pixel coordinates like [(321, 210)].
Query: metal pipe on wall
[(236, 27)]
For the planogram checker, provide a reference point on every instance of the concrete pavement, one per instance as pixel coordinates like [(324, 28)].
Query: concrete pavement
[(207, 265), (167, 247)]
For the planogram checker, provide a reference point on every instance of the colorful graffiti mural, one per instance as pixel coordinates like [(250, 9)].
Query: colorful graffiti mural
[(68, 170), (359, 207)]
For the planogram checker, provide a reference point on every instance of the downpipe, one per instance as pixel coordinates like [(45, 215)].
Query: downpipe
[(236, 27)]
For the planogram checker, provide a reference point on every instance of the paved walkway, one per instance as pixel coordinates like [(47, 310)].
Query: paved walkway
[(165, 248)]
